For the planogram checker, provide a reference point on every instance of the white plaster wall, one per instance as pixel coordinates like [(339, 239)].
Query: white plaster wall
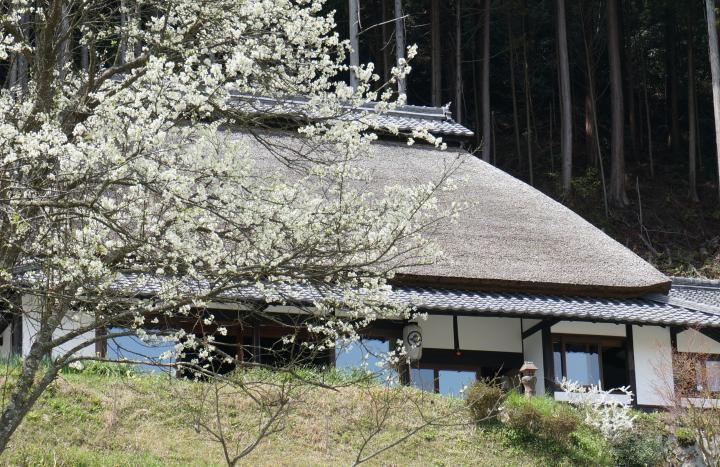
[(488, 333), (693, 341), (31, 326), (591, 329), (528, 323), (532, 352), (474, 333), (653, 365), (437, 332)]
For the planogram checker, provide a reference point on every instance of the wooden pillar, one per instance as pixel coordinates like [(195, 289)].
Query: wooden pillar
[(630, 351), (239, 353), (548, 360)]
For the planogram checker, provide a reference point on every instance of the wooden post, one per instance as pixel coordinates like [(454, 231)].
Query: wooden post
[(548, 361), (630, 351)]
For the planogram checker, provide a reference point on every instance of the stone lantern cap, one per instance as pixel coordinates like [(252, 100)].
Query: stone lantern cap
[(528, 367)]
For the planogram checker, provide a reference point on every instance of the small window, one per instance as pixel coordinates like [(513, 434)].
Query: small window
[(591, 360)]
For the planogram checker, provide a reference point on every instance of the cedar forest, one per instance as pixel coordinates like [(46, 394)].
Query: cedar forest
[(608, 110), (605, 105)]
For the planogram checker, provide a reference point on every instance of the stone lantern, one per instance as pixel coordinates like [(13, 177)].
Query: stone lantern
[(527, 378)]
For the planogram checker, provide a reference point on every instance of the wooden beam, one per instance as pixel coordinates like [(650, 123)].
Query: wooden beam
[(546, 323)]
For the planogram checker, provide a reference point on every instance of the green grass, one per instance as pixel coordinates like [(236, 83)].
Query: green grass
[(112, 417)]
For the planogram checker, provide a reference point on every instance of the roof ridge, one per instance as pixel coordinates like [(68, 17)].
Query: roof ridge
[(694, 282)]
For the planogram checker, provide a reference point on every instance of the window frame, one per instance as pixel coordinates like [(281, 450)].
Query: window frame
[(436, 369)]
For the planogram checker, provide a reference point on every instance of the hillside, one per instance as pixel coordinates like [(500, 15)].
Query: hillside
[(147, 420)]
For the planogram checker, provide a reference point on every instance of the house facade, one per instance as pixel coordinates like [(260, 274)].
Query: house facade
[(522, 278)]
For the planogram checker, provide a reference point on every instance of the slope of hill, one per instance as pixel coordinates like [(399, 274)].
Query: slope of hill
[(149, 420)]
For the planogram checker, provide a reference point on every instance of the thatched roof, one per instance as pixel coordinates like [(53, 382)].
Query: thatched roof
[(512, 237)]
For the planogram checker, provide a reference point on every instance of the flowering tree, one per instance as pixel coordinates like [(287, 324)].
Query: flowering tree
[(124, 154)]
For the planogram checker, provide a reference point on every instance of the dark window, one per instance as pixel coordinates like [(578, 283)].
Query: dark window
[(590, 360)]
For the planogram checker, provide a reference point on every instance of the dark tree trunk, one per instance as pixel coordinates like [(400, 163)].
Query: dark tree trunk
[(672, 77), (565, 99), (692, 148), (386, 35), (528, 106), (458, 62), (436, 54), (617, 193), (487, 129), (513, 87), (715, 71)]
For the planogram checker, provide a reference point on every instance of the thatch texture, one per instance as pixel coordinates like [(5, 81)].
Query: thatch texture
[(512, 237)]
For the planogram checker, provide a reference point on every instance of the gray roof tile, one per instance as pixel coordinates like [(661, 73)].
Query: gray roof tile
[(437, 120), (635, 310), (646, 310)]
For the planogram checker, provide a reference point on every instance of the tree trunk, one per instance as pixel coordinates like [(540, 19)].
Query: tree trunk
[(487, 130), (692, 148), (400, 42), (671, 62), (386, 50), (715, 71), (648, 121), (629, 95), (458, 62), (353, 9), (617, 193), (436, 54), (565, 99), (513, 87), (528, 103)]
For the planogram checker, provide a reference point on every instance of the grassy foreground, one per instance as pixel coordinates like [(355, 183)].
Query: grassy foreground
[(90, 419)]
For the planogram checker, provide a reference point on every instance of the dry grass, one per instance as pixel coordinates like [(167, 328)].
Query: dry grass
[(147, 420)]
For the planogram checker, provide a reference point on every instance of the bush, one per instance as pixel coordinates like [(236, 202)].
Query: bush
[(484, 399), (541, 416), (643, 445), (685, 436)]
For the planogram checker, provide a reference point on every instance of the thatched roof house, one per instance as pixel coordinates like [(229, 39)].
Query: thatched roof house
[(523, 278)]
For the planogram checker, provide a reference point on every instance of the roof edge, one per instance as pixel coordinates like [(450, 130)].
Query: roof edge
[(540, 288)]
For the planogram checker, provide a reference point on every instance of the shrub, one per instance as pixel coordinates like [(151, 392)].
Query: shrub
[(483, 399), (685, 437), (541, 416), (643, 445)]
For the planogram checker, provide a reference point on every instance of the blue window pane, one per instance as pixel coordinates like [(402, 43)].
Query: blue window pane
[(368, 354), (133, 348), (582, 363), (453, 382), (423, 379)]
